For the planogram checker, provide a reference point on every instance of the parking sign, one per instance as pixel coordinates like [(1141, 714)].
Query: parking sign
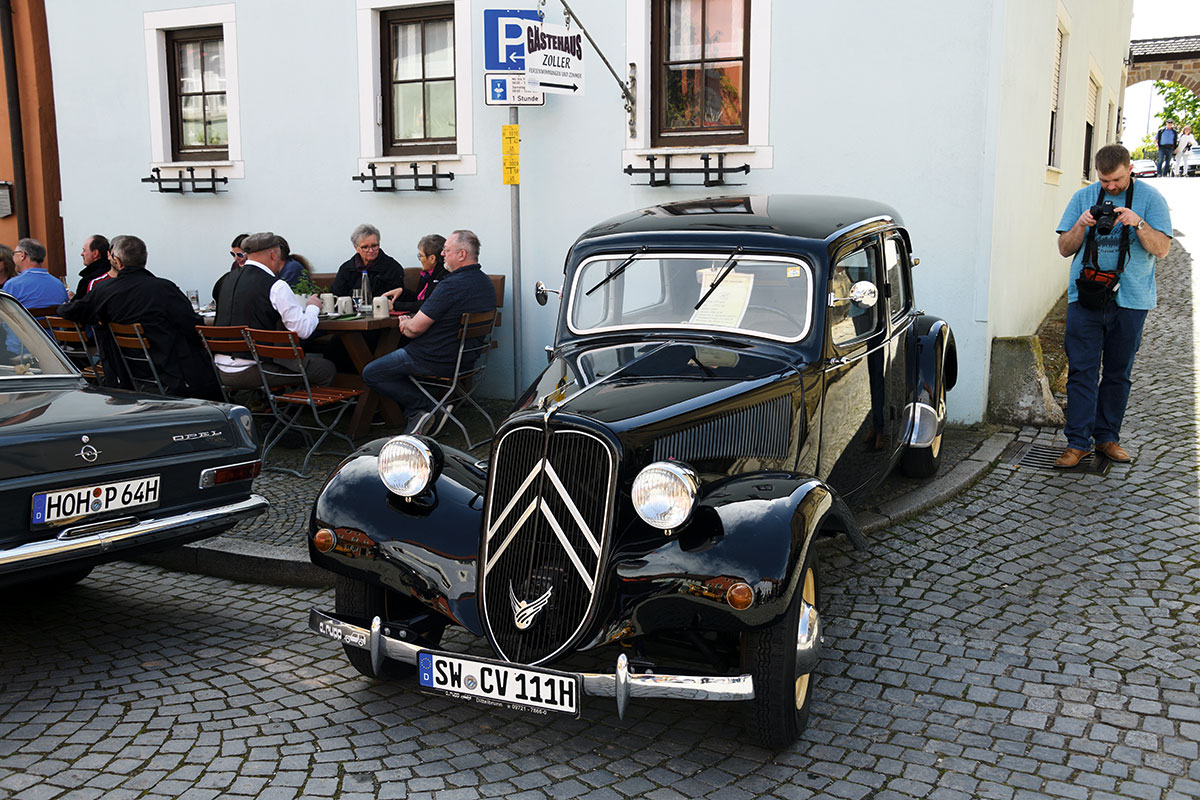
[(504, 38)]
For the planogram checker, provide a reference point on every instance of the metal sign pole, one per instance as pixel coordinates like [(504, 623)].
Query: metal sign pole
[(515, 205)]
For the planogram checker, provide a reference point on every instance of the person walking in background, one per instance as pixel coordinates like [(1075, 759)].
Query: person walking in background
[(1187, 144), (433, 269), (95, 262), (1166, 139), (1107, 332), (34, 286)]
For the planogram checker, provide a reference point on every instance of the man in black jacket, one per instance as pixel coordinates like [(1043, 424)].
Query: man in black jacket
[(95, 262), (384, 273), (166, 316)]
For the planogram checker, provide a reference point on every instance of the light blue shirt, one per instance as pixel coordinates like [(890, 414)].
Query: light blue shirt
[(1137, 281), (36, 288)]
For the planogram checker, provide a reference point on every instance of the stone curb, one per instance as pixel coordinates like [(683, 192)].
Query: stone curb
[(252, 562), (942, 488)]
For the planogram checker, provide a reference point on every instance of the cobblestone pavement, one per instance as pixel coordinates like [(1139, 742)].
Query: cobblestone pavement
[(1036, 637)]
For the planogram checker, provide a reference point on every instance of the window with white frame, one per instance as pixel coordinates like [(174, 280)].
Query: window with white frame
[(1056, 85), (1089, 127), (191, 61)]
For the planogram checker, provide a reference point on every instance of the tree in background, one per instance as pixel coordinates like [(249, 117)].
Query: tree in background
[(1148, 149), (1180, 105)]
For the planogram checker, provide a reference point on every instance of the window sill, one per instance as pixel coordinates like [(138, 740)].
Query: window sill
[(758, 157), (1053, 176), (458, 163), (225, 169)]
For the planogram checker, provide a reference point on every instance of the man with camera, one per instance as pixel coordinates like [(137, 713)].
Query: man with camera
[(1116, 229)]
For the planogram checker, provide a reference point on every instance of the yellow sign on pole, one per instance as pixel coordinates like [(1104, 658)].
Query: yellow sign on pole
[(510, 148), (512, 170)]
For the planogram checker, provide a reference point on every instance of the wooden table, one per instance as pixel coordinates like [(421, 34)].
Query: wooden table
[(351, 333)]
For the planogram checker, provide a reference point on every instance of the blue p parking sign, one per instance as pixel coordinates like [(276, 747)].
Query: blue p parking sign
[(499, 89), (504, 38)]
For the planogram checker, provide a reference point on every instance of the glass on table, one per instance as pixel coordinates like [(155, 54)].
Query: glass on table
[(356, 295), (193, 296)]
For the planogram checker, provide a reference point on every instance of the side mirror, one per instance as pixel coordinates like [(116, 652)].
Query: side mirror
[(864, 294), (542, 294), (915, 261)]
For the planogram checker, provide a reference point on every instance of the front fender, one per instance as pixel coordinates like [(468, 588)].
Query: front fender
[(754, 529), (425, 547)]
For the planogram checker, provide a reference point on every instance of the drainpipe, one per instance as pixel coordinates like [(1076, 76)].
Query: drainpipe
[(20, 203)]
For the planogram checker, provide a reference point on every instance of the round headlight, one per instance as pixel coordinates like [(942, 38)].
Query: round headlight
[(407, 465), (664, 494)]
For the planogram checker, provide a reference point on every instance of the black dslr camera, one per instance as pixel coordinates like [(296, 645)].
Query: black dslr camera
[(1105, 216)]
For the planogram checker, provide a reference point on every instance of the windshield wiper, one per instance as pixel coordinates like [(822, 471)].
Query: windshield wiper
[(727, 268), (616, 272)]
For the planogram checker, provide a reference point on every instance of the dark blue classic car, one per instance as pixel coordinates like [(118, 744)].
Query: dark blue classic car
[(728, 377), (91, 475)]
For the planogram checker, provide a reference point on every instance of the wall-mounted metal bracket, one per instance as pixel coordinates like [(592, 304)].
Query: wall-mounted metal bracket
[(627, 89), (391, 180), (662, 176), (181, 185)]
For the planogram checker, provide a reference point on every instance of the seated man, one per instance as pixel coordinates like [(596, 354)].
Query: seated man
[(34, 286), (432, 348), (255, 296), (166, 316)]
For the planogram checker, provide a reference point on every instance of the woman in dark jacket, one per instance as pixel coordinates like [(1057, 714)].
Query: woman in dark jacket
[(383, 271), (433, 269)]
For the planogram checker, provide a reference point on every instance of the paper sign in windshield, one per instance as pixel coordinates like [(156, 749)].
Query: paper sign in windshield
[(725, 307)]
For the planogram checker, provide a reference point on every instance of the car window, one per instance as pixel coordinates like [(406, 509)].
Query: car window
[(847, 322), (25, 349), (894, 259), (768, 296)]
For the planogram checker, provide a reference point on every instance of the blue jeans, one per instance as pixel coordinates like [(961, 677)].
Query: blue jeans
[(388, 375), (1164, 161), (1108, 338)]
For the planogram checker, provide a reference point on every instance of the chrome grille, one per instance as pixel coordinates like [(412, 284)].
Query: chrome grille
[(548, 513), (762, 430)]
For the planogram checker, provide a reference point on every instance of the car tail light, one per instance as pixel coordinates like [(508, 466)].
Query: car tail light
[(214, 476), (740, 596), (324, 540)]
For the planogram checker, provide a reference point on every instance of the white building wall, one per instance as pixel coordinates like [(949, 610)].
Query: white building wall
[(867, 99)]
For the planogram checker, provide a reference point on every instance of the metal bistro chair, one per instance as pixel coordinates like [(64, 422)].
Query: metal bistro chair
[(223, 340), (71, 340), (289, 402), (474, 344), (134, 347)]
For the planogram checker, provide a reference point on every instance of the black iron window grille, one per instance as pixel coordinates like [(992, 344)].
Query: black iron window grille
[(666, 174), (203, 184), (391, 181)]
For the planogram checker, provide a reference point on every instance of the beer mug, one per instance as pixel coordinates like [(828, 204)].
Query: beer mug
[(327, 303), (345, 305), (380, 307)]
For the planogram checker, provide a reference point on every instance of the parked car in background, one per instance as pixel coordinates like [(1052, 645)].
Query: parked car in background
[(92, 475), (1188, 163), (728, 376), (1144, 168)]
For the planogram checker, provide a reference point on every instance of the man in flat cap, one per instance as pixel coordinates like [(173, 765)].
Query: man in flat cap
[(256, 296)]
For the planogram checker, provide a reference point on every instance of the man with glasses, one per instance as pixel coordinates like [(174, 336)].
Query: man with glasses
[(383, 272), (34, 286), (432, 332)]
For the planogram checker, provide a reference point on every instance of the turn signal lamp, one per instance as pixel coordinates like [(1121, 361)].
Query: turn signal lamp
[(739, 596), (324, 540)]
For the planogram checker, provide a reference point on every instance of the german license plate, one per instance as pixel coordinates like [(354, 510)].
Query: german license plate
[(86, 501), (495, 683)]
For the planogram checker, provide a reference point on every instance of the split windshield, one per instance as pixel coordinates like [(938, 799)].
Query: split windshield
[(769, 296)]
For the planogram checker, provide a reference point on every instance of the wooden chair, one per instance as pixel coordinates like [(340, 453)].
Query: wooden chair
[(225, 340), (134, 348), (41, 313), (474, 345), (71, 340), (288, 402)]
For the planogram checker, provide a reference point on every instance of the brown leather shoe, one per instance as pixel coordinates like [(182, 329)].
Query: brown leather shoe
[(1070, 458), (1114, 452)]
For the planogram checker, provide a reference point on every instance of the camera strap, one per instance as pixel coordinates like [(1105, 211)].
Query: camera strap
[(1091, 255)]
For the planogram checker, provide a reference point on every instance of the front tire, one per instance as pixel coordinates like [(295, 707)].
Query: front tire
[(779, 712), (355, 598), (923, 462)]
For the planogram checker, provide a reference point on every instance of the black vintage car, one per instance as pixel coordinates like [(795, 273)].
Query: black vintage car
[(90, 475), (728, 376)]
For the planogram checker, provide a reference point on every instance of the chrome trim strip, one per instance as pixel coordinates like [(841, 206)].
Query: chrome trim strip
[(923, 425), (103, 541), (618, 686)]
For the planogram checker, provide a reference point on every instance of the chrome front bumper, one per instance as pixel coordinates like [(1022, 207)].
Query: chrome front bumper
[(622, 684), (81, 541)]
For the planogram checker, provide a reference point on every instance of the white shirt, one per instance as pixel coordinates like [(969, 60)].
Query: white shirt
[(299, 318)]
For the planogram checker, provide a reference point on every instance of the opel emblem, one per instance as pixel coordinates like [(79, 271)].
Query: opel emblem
[(87, 452)]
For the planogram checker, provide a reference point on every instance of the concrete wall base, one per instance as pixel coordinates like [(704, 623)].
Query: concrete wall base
[(1018, 392)]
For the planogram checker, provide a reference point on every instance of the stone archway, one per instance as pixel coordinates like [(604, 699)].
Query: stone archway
[(1176, 60)]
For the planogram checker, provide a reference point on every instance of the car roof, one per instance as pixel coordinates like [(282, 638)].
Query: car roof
[(806, 216)]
